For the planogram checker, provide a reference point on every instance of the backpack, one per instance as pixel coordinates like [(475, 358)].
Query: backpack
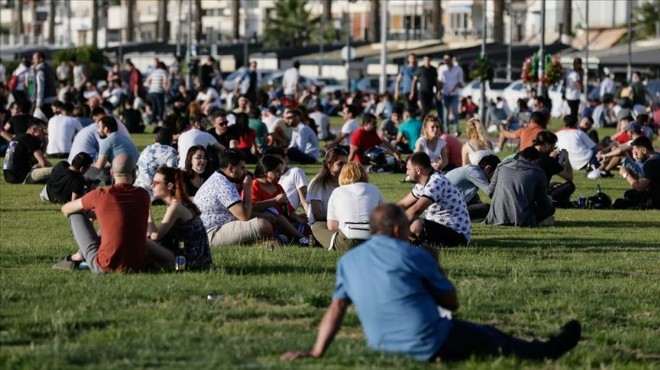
[(599, 201), (13, 83)]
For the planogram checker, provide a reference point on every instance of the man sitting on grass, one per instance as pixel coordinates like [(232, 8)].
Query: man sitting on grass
[(22, 153), (122, 211), (645, 192), (66, 182), (397, 289)]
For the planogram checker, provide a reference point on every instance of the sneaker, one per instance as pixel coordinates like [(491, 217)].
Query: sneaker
[(67, 264), (595, 174), (607, 174), (565, 339), (303, 242), (492, 129), (497, 149), (549, 221)]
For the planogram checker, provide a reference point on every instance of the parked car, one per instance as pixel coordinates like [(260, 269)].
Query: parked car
[(494, 89), (275, 80), (230, 81), (516, 90), (330, 85)]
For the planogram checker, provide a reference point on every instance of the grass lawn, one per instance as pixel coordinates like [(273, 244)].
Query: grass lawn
[(602, 267)]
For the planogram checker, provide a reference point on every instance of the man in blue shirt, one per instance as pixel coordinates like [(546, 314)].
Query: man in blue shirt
[(409, 131), (469, 179), (404, 84), (397, 289)]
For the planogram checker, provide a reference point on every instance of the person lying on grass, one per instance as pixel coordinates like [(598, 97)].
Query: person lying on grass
[(181, 222), (397, 289), (122, 211)]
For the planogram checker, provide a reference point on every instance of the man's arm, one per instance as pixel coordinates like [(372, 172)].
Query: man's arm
[(418, 207), (74, 206), (43, 162), (407, 201), (100, 162), (243, 210), (353, 151), (641, 184), (329, 327), (40, 84)]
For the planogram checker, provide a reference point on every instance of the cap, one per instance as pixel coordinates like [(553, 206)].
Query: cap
[(633, 126)]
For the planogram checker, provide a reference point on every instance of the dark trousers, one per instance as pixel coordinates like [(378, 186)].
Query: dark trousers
[(478, 211), (426, 98), (296, 155), (468, 339), (442, 235), (636, 199), (561, 194), (574, 105), (157, 101)]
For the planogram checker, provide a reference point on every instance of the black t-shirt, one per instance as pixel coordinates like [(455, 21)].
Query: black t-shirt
[(651, 171), (206, 75), (63, 182), (549, 165), (19, 124), (20, 158), (252, 87), (133, 120), (225, 138), (428, 77)]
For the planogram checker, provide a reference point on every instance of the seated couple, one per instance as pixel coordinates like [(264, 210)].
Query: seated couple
[(130, 241)]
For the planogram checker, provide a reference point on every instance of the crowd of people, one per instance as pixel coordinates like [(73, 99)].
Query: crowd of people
[(196, 168)]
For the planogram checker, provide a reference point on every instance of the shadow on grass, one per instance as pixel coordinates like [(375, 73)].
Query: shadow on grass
[(608, 224), (44, 330), (583, 244), (275, 269)]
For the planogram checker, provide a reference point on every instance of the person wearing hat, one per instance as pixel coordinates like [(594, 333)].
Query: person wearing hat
[(645, 192), (620, 153)]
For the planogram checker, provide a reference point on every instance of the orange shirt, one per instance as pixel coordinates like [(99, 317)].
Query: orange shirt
[(122, 212), (527, 134)]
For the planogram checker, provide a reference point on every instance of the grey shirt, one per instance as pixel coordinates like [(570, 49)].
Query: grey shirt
[(468, 179)]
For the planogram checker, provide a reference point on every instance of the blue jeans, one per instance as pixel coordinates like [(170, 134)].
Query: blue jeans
[(451, 104), (468, 339), (296, 155), (157, 105)]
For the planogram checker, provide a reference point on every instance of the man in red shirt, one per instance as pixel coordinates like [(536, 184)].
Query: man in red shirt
[(122, 211), (365, 138)]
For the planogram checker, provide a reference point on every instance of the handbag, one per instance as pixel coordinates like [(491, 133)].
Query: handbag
[(356, 230)]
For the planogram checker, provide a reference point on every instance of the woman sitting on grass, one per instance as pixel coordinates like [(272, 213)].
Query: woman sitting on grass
[(349, 208), (181, 222), (431, 143), (320, 189), (477, 143), (196, 169), (268, 197)]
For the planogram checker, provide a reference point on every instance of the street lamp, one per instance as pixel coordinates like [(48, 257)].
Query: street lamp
[(539, 91), (484, 103)]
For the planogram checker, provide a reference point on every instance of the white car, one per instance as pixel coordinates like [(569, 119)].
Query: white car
[(516, 90), (494, 90), (275, 79), (230, 81), (330, 85)]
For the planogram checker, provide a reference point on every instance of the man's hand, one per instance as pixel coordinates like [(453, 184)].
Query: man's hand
[(247, 181), (411, 95), (624, 172), (294, 355), (281, 199)]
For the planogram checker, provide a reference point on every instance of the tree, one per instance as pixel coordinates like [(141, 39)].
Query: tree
[(437, 19), (51, 22), (163, 31), (292, 24), (236, 20), (567, 18), (198, 19), (645, 20), (498, 21), (374, 18)]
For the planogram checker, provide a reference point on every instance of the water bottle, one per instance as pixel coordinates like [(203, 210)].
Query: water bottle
[(180, 260)]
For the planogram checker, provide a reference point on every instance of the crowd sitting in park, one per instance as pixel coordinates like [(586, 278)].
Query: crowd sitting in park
[(196, 168)]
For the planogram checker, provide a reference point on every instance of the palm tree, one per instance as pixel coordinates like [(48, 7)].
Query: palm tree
[(327, 10), (374, 34), (198, 19), (498, 24), (437, 19), (236, 19), (18, 30), (645, 20), (163, 31), (292, 24), (130, 23), (95, 22)]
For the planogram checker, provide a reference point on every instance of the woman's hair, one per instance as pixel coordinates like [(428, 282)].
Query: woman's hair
[(351, 173), (189, 156), (475, 131), (242, 124), (265, 164), (175, 176), (428, 120), (324, 175)]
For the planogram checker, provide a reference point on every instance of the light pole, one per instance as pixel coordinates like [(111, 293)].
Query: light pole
[(484, 24), (383, 47), (629, 69), (178, 41), (510, 41), (585, 78), (539, 91), (322, 41), (347, 18), (189, 47)]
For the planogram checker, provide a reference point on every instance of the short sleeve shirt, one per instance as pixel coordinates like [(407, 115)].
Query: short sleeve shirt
[(63, 182), (151, 159), (214, 198), (468, 179), (293, 179), (348, 128), (448, 206), (20, 157), (117, 144), (364, 141), (407, 74)]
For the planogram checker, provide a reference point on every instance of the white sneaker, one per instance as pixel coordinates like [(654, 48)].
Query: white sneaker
[(497, 150), (593, 175), (492, 129)]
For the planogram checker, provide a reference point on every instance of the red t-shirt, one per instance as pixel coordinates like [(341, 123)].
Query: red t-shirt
[(364, 140), (260, 194), (122, 212), (454, 148), (247, 141)]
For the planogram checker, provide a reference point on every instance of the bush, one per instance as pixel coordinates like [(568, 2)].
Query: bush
[(91, 57)]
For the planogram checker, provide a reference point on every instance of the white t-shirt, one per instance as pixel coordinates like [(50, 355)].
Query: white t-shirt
[(354, 203), (78, 76), (322, 122), (578, 145), (348, 128), (318, 192), (292, 180), (289, 81), (61, 131), (305, 140), (190, 138), (433, 154), (211, 95), (21, 71), (450, 77), (572, 91)]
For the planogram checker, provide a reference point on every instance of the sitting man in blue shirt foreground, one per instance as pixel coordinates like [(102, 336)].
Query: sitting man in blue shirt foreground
[(397, 289)]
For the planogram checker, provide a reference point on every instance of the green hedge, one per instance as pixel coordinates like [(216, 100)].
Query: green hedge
[(91, 57)]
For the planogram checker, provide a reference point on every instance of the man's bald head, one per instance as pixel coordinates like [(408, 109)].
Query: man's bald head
[(391, 220), (123, 167)]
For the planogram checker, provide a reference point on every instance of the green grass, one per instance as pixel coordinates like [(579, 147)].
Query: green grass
[(602, 267)]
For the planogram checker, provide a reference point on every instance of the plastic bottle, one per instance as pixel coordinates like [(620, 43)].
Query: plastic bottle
[(180, 260)]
